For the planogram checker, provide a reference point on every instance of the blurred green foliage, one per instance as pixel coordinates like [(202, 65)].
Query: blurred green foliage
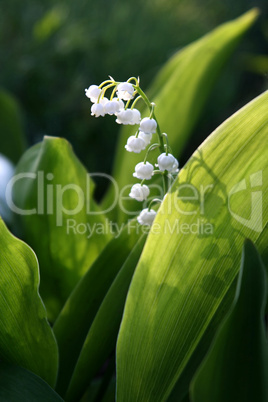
[(50, 51)]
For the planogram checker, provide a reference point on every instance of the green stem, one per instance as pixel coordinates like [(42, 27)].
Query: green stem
[(127, 104), (155, 200), (101, 95), (167, 143), (106, 82), (135, 101), (134, 79), (149, 105), (151, 147), (160, 137), (165, 183), (112, 95)]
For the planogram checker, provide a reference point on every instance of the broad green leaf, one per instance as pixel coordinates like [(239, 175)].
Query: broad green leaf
[(26, 338), (101, 338), (180, 92), (75, 319), (236, 367), (18, 384), (12, 140), (183, 281), (63, 224)]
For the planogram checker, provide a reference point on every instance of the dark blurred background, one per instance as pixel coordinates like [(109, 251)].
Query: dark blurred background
[(50, 51)]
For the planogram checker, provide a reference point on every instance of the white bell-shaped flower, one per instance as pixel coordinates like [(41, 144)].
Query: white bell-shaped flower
[(167, 162), (146, 217), (97, 109), (144, 171), (103, 101), (139, 192), (93, 93), (136, 116), (148, 126), (121, 104), (124, 117), (175, 168), (135, 144), (114, 106), (111, 107), (128, 116), (125, 91), (146, 137)]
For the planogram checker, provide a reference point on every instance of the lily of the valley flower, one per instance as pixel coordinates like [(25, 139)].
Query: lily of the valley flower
[(128, 116), (103, 101), (114, 106), (97, 109), (124, 117), (144, 171), (148, 126), (146, 137), (93, 93), (125, 91), (136, 116), (146, 217), (135, 144), (167, 162), (139, 192), (175, 167)]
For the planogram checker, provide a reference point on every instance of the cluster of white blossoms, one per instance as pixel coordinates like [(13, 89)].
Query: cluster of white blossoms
[(122, 104)]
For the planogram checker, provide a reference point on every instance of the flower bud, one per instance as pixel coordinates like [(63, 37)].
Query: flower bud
[(146, 217), (167, 162), (148, 126), (139, 192), (93, 93), (143, 171), (135, 144), (125, 91)]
